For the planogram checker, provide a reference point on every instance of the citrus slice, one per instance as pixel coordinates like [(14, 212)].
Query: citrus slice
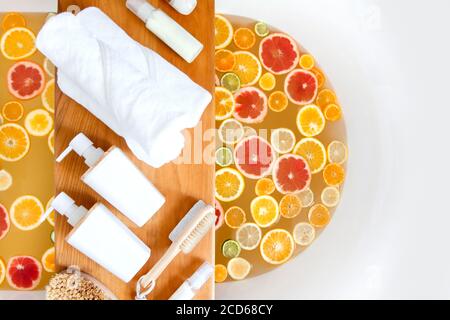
[(261, 29), (306, 197), (231, 249), (265, 211), (23, 272), (304, 234), (231, 131), (278, 101), (4, 222), (51, 141), (2, 271), (291, 174), (277, 246), (26, 212), (267, 81), (13, 20), (12, 111), (290, 206), (224, 156), (52, 236), (14, 142), (314, 152), (216, 80), (319, 216), (230, 81), (320, 77), (1, 119), (254, 157), (332, 112), (48, 260), (249, 132), (251, 105), (283, 140), (220, 273), (49, 68), (301, 86), (307, 61), (26, 80), (325, 97), (249, 235), (229, 184), (223, 32), (235, 217), (39, 122), (51, 216), (238, 268), (6, 180), (48, 96), (224, 103), (244, 38), (247, 67), (333, 174), (264, 186), (310, 121), (337, 152), (219, 214), (224, 60), (278, 53), (18, 43), (330, 196)]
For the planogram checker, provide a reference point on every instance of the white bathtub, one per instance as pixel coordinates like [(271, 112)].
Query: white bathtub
[(389, 237)]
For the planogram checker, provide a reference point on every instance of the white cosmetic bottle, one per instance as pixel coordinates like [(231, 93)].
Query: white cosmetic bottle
[(183, 6), (114, 177), (167, 29), (191, 286), (102, 237)]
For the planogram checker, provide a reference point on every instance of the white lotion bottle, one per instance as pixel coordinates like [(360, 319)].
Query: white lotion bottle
[(191, 286), (114, 177), (102, 237), (183, 6), (167, 29)]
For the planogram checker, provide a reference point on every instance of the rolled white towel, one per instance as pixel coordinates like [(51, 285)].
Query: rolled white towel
[(133, 90)]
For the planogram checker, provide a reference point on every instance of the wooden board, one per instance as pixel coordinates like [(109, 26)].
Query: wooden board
[(182, 184)]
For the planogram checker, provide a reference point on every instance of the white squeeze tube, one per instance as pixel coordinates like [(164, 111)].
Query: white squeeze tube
[(102, 237), (191, 286), (114, 177)]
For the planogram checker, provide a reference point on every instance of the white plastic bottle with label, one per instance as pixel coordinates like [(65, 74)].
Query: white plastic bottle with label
[(114, 177), (191, 286), (102, 237)]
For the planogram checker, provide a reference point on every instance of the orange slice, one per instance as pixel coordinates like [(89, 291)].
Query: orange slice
[(330, 196), (310, 121), (321, 79), (51, 216), (282, 140), (267, 81), (14, 142), (18, 43), (337, 152), (325, 97), (238, 268), (304, 234), (244, 38), (13, 20), (51, 141), (6, 180), (223, 32), (314, 152), (224, 103), (26, 212), (224, 60), (2, 271), (307, 61), (39, 122), (333, 174), (278, 101), (247, 68), (48, 260), (277, 246), (229, 184), (220, 273), (264, 186), (231, 131), (12, 111), (264, 211), (319, 216), (48, 96), (290, 206), (332, 112), (234, 217)]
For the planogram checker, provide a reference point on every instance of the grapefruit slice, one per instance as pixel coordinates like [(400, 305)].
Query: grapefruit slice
[(4, 222), (250, 105), (26, 80), (254, 157), (301, 86), (219, 214), (23, 272), (278, 53), (291, 174)]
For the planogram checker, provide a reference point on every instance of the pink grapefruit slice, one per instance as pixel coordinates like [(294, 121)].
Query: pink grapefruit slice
[(278, 53), (254, 157), (219, 214), (4, 222), (250, 105), (23, 272), (291, 174), (26, 80), (301, 86)]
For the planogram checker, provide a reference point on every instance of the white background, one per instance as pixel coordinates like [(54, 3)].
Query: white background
[(389, 62)]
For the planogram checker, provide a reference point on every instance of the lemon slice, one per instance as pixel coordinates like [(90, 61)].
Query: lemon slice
[(337, 152), (249, 235), (283, 140), (39, 122), (6, 180), (310, 120), (231, 131), (264, 211), (330, 196), (238, 268), (304, 234), (306, 197)]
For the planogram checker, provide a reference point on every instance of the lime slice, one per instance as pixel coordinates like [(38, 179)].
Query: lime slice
[(231, 249), (249, 235), (230, 81), (261, 29), (304, 234), (224, 156)]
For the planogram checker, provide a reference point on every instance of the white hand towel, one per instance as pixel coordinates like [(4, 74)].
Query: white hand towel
[(130, 88)]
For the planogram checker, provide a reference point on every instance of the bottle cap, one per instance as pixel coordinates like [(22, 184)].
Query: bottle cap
[(199, 278), (66, 206), (84, 148), (184, 6), (141, 8)]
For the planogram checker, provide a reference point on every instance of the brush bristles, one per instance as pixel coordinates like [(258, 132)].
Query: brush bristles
[(202, 228)]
